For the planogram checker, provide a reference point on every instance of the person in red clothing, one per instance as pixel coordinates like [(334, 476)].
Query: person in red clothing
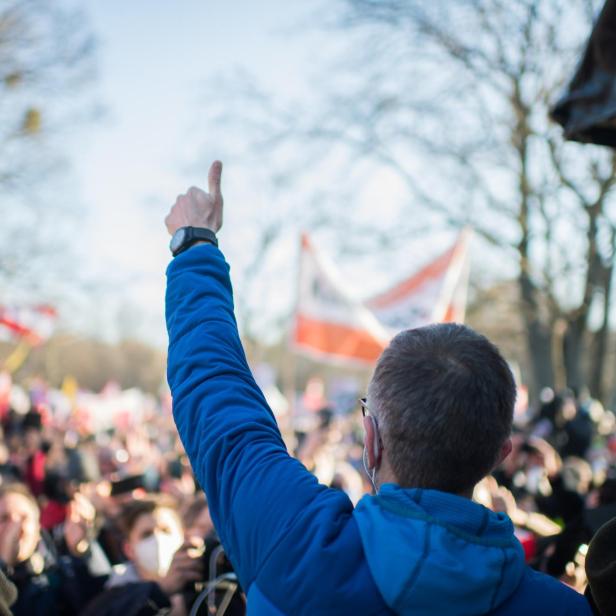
[(35, 456)]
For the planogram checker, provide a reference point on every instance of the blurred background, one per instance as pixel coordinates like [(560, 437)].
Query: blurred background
[(410, 142), (381, 129)]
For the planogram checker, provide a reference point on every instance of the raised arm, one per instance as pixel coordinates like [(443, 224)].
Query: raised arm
[(255, 490)]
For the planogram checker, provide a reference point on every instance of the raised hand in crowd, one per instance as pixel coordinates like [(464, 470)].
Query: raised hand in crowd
[(197, 208), (79, 525), (186, 567)]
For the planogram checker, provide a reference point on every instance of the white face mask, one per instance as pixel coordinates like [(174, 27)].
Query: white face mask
[(155, 553)]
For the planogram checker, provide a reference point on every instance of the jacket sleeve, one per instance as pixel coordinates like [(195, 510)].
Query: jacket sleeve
[(255, 490)]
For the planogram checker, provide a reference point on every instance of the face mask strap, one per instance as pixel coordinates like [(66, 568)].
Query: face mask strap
[(376, 445), (375, 451)]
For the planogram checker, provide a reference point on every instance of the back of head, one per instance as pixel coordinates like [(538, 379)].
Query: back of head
[(600, 568), (444, 397)]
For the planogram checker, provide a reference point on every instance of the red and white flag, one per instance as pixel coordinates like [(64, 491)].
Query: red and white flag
[(35, 324), (435, 294), (329, 322)]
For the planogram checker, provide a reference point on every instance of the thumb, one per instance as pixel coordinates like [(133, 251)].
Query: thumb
[(213, 179)]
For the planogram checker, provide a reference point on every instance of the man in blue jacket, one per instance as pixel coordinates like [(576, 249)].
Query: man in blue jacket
[(437, 420)]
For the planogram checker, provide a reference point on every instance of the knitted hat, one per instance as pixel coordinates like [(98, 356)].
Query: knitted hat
[(601, 569)]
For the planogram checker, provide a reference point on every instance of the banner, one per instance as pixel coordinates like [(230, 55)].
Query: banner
[(329, 322), (435, 294), (32, 324)]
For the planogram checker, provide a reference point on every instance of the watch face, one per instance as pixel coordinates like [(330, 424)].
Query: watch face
[(177, 239)]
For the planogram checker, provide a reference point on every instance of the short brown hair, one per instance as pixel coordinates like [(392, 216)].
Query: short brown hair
[(16, 487), (444, 398), (134, 509), (193, 509)]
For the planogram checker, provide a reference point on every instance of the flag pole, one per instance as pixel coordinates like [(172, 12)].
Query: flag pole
[(17, 358), (290, 372)]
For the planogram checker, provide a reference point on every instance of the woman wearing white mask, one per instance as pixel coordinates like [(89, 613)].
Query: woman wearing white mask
[(155, 548)]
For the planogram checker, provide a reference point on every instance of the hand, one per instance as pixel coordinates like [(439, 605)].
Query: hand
[(503, 501), (79, 525), (9, 542), (186, 566), (97, 493), (197, 208), (551, 459)]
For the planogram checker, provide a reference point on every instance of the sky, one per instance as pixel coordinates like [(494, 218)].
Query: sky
[(162, 67), (158, 61), (160, 64)]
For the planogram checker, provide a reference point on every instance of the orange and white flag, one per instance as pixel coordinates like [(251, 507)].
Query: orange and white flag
[(435, 294), (329, 322), (35, 324)]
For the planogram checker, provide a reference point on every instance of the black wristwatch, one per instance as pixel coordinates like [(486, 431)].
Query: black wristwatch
[(185, 237)]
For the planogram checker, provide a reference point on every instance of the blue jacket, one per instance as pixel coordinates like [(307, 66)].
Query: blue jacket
[(299, 547)]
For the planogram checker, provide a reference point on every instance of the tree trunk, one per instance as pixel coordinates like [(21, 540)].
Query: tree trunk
[(538, 337), (573, 352), (600, 341)]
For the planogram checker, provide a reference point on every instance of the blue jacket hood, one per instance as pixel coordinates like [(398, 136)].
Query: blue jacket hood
[(436, 553)]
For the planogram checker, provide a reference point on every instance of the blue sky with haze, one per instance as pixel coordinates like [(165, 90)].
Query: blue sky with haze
[(157, 63)]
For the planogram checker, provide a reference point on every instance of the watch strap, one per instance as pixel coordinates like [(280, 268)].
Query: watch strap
[(194, 235)]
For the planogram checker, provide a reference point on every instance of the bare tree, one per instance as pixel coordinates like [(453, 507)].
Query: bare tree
[(452, 100), (46, 58), (498, 66)]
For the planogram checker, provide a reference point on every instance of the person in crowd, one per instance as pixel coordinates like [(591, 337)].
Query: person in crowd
[(601, 570), (568, 490), (438, 418), (197, 519), (34, 447), (48, 582), (9, 471), (160, 563)]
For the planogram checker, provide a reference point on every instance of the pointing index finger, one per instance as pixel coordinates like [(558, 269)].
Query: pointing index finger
[(213, 179)]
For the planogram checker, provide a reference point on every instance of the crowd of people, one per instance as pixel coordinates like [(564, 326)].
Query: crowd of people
[(558, 484), (113, 521), (99, 522)]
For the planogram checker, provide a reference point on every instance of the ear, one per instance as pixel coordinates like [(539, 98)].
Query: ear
[(371, 442), (505, 450)]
